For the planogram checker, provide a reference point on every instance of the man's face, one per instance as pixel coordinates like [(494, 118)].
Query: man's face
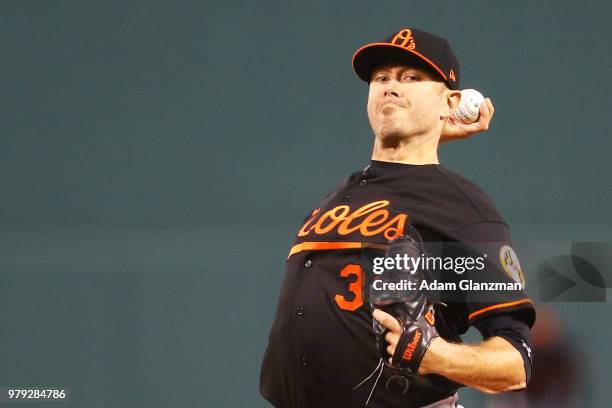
[(405, 100)]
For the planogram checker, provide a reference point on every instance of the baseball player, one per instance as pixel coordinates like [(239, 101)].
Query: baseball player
[(324, 350)]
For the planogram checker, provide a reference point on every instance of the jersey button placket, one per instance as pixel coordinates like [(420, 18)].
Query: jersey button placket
[(300, 314)]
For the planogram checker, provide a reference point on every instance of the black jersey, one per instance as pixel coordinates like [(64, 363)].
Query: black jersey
[(321, 343)]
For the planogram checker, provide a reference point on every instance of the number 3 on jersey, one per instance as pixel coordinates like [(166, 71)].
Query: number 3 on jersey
[(354, 287)]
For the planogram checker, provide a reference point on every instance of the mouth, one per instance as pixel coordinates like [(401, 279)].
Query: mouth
[(389, 107), (392, 104)]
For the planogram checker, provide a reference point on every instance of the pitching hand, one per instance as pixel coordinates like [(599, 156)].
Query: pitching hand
[(456, 130)]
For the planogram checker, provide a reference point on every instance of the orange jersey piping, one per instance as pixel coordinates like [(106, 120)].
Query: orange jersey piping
[(322, 246), (498, 306)]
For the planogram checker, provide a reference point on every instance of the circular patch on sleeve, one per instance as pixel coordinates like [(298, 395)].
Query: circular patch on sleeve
[(509, 261)]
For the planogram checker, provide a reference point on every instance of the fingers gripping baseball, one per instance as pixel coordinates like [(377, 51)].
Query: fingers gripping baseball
[(457, 130), (486, 114)]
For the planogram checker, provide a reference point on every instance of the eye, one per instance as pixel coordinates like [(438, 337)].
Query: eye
[(380, 77), (410, 77)]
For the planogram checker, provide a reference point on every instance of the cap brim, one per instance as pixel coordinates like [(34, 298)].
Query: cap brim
[(373, 55)]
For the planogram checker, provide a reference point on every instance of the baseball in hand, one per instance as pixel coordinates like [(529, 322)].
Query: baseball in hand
[(469, 106)]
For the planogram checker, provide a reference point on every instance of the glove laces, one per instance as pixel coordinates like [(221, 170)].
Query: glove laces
[(380, 367)]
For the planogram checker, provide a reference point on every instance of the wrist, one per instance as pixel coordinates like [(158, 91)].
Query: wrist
[(433, 358)]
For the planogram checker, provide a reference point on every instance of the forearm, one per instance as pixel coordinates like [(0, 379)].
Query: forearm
[(491, 366)]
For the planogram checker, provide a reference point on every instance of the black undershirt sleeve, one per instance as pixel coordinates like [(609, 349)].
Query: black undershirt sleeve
[(514, 330)]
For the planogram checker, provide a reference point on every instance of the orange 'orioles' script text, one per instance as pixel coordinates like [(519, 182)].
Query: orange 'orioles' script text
[(371, 219)]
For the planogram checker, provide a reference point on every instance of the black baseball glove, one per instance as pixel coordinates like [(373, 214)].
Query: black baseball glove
[(397, 293)]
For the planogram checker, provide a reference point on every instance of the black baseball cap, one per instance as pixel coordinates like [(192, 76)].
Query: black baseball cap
[(410, 45)]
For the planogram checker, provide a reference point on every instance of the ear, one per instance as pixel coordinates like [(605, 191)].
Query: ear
[(450, 102)]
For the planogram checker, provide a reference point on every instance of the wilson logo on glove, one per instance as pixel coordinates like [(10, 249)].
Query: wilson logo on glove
[(412, 345), (429, 317)]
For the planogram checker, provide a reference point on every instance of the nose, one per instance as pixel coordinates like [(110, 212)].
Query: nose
[(390, 92)]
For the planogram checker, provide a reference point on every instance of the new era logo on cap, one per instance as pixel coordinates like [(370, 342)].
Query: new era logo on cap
[(411, 45)]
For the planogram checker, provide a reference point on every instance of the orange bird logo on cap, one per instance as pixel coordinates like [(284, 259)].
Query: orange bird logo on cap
[(404, 39)]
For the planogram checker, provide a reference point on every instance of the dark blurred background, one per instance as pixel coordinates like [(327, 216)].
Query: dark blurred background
[(157, 158)]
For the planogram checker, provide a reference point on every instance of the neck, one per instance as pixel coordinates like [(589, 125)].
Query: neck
[(417, 149)]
